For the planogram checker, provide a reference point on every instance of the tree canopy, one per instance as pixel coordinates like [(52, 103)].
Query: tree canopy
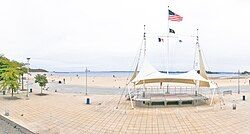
[(10, 72), (41, 80)]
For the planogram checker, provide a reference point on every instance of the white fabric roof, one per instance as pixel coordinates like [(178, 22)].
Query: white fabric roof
[(147, 71), (192, 74), (149, 74)]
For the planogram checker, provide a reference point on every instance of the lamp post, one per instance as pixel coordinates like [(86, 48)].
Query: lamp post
[(86, 80), (238, 81), (86, 84), (28, 64)]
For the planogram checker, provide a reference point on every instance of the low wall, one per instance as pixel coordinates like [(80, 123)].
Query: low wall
[(17, 127)]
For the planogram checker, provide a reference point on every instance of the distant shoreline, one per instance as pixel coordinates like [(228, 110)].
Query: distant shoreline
[(38, 70), (209, 72)]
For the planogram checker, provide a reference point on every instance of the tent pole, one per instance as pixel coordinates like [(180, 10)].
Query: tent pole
[(212, 97), (129, 92), (197, 87), (168, 88), (144, 38), (121, 96), (161, 87), (144, 89)]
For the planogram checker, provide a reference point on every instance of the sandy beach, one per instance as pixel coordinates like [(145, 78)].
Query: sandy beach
[(116, 85), (120, 82)]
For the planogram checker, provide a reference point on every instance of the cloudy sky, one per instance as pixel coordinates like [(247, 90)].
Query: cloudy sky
[(67, 35)]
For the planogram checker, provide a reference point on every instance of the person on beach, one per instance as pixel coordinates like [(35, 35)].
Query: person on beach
[(63, 80), (114, 77)]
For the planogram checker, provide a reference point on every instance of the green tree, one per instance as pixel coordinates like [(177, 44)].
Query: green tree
[(42, 81), (10, 72), (3, 65)]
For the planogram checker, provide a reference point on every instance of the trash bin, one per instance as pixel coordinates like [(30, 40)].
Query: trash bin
[(31, 90), (88, 101), (234, 106), (244, 97), (4, 92)]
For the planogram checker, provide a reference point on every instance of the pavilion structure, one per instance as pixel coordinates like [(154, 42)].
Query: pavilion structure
[(153, 88)]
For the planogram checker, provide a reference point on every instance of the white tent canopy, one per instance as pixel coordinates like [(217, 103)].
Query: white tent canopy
[(148, 74)]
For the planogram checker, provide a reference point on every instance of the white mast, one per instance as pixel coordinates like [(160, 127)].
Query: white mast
[(144, 38), (197, 82), (195, 66), (199, 64)]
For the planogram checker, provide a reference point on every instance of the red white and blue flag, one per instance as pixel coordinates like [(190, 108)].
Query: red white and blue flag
[(174, 17)]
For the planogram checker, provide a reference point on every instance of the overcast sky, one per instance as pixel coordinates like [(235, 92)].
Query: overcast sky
[(67, 35)]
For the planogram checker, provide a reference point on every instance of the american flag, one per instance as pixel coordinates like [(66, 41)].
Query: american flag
[(174, 17)]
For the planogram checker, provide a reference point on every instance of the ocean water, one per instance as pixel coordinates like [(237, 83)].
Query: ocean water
[(126, 74), (94, 73)]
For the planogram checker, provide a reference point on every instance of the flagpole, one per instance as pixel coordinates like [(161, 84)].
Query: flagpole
[(168, 53), (86, 81)]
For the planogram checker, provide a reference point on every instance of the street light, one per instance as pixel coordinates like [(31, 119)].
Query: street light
[(238, 81), (28, 64), (86, 82)]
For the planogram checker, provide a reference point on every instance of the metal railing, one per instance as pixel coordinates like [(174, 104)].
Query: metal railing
[(169, 90)]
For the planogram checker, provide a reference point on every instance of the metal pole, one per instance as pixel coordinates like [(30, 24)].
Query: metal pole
[(212, 99), (197, 49), (131, 102), (28, 64), (144, 38), (168, 53), (197, 85), (86, 71), (238, 81), (168, 50)]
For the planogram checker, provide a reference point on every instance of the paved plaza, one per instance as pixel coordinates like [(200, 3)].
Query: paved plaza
[(67, 113)]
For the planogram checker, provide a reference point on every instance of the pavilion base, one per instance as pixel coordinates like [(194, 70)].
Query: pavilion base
[(165, 100)]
